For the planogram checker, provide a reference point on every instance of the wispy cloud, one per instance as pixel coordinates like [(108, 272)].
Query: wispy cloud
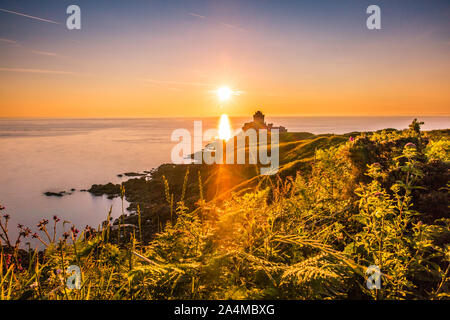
[(231, 26), (8, 41), (45, 53), (42, 71), (28, 16), (182, 83), (40, 52), (197, 15)]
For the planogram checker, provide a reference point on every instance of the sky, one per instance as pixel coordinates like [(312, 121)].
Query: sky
[(168, 58)]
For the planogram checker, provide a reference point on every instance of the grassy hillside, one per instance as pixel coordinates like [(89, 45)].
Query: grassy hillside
[(339, 204), (218, 181)]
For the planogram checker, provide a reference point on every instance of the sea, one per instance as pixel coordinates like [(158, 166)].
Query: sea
[(40, 155)]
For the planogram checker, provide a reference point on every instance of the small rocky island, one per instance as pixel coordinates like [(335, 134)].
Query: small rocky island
[(60, 193)]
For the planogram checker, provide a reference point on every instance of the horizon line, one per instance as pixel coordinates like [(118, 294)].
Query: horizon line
[(211, 116)]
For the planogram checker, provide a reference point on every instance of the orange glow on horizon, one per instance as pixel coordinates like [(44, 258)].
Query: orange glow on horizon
[(305, 77)]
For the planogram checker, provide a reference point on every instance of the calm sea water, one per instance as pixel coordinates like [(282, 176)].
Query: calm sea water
[(40, 155)]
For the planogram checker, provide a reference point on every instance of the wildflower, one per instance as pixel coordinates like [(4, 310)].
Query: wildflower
[(89, 230), (56, 219), (20, 226), (35, 235), (33, 285), (65, 235), (74, 231), (351, 139), (41, 225), (6, 216), (23, 233), (2, 207), (377, 165)]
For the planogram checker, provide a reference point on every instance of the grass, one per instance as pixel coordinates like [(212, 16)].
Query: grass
[(376, 199)]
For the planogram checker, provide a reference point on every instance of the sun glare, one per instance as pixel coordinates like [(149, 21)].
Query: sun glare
[(224, 128), (224, 93)]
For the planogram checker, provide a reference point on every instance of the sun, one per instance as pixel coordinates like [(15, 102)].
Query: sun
[(224, 93)]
